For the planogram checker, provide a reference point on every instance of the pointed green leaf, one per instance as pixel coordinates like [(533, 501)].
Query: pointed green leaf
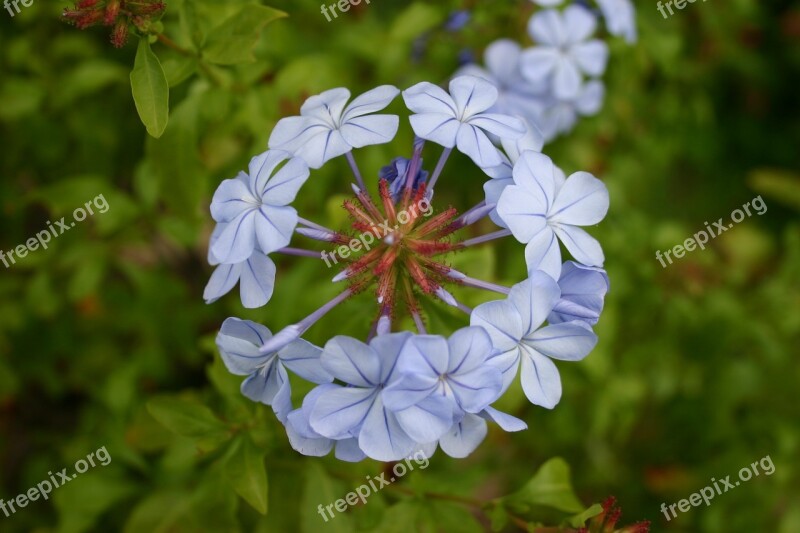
[(150, 90), (232, 41), (550, 487), (186, 418), (246, 473)]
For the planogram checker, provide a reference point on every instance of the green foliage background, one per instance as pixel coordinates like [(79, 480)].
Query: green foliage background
[(105, 339)]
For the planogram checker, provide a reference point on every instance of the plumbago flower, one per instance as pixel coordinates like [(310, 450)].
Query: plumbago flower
[(393, 392), (553, 83)]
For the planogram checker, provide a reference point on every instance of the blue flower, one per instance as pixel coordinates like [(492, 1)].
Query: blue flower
[(563, 51), (358, 410), (583, 291), (267, 380), (254, 207), (516, 95), (256, 276), (620, 18), (327, 127), (540, 210), (558, 117), (515, 327), (459, 119), (399, 169)]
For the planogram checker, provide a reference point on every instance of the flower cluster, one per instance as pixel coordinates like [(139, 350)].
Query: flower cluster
[(121, 14), (555, 81), (397, 392)]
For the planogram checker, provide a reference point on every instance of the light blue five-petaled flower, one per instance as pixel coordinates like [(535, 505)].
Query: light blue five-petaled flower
[(460, 118), (327, 127), (515, 327), (255, 208), (563, 51), (452, 373), (540, 209), (267, 380)]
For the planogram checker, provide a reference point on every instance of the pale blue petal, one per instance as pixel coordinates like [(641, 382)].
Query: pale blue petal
[(381, 436), (469, 349), (590, 101), (540, 379), (351, 361), (547, 27), (291, 133), (265, 384), (582, 201), (472, 95), (569, 341), (282, 400), (341, 410), (231, 199), (502, 322), (436, 127), (504, 420), (591, 56), (462, 439), (282, 188), (274, 227), (428, 420), (566, 79), (238, 342), (428, 98), (389, 348), (347, 450), (322, 147), (238, 240), (533, 299), (476, 389), (524, 212), (537, 64), (536, 172), (261, 168), (366, 131), (502, 60), (583, 291), (327, 106), (583, 247), (299, 418), (426, 354), (257, 280), (312, 447), (493, 189), (223, 279), (303, 359), (409, 389), (579, 23), (371, 101), (504, 127), (543, 253)]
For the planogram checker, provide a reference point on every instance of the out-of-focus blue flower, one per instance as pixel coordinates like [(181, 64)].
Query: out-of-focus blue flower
[(620, 18), (460, 118), (267, 382), (540, 210), (358, 410), (395, 175), (563, 52), (515, 327), (327, 127), (547, 3), (457, 20), (583, 292), (516, 95), (560, 116), (256, 277), (255, 208)]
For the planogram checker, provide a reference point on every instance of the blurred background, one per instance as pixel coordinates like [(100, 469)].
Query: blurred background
[(105, 339)]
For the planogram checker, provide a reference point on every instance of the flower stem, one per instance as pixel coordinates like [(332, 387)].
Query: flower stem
[(300, 252), (356, 172), (485, 238), (439, 167)]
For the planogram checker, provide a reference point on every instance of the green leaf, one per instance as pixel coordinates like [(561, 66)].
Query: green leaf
[(232, 41), (549, 487), (186, 418), (781, 185), (320, 489), (415, 20), (246, 473), (150, 90)]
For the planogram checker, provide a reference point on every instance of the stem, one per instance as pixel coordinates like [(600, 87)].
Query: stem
[(356, 171), (166, 41), (439, 167), (485, 238), (300, 252), (478, 284), (313, 225)]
